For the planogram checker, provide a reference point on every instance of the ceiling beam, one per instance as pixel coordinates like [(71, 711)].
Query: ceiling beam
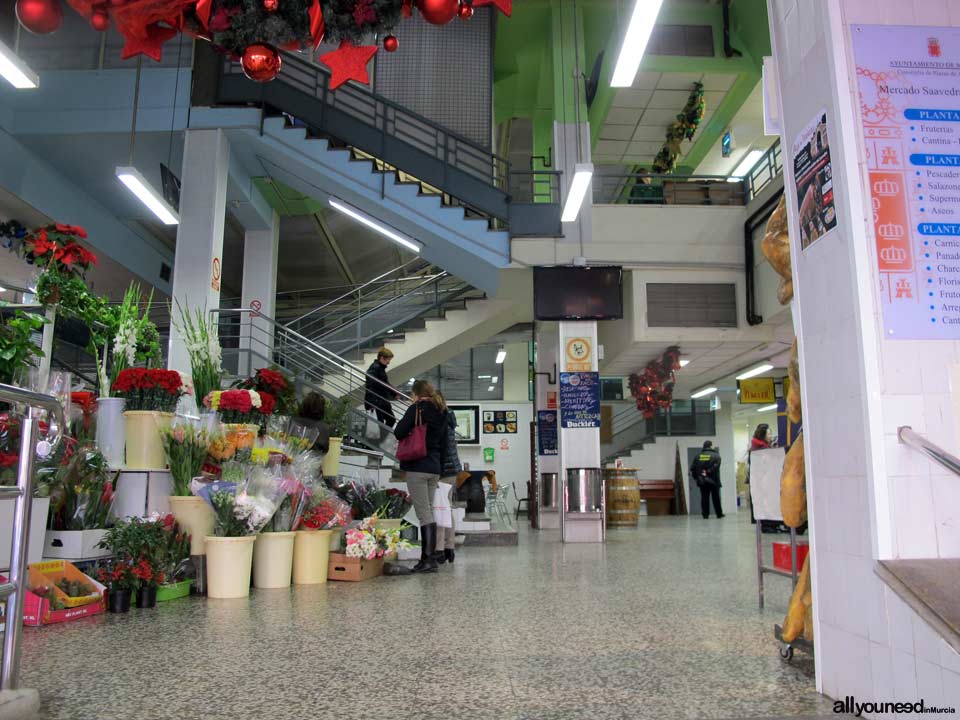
[(335, 249)]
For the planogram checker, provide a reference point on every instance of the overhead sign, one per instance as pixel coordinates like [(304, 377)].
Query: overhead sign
[(757, 391)]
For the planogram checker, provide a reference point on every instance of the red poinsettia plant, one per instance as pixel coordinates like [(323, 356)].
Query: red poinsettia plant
[(55, 247), (653, 388), (277, 385), (149, 389)]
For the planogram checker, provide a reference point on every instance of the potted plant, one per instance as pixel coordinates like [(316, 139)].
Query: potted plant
[(141, 544), (322, 513), (151, 396), (120, 582), (81, 505), (337, 417), (275, 383), (203, 346), (186, 446), (17, 349)]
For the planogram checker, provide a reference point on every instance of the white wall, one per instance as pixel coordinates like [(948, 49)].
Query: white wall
[(512, 465)]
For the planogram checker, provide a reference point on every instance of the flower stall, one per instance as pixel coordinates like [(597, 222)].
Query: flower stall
[(150, 396)]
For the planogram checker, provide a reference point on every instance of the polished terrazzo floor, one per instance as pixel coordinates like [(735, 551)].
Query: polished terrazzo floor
[(661, 622)]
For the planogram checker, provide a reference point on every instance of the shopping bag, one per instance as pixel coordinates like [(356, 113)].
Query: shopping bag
[(372, 431), (442, 513), (414, 446)]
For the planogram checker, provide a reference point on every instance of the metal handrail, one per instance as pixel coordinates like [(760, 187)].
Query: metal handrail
[(934, 452), (624, 188), (765, 171), (13, 589)]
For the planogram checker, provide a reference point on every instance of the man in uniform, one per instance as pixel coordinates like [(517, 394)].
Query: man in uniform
[(705, 471)]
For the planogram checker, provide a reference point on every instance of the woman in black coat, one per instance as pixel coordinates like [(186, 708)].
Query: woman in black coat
[(378, 393), (423, 474)]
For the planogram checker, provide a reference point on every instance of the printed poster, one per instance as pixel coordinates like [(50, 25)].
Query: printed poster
[(813, 175), (579, 400), (500, 422), (547, 432), (909, 83)]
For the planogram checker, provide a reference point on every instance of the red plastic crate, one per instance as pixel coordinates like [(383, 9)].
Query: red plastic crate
[(781, 555)]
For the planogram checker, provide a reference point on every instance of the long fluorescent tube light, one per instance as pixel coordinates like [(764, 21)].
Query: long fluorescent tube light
[(703, 393), (684, 363), (635, 41), (365, 219), (501, 356), (582, 173), (753, 372), (746, 165), (767, 408), (145, 193), (15, 71)]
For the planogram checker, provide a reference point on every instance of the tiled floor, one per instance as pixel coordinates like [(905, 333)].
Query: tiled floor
[(659, 623)]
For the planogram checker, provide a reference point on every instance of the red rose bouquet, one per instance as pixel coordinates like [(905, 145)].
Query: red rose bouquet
[(241, 406), (277, 385), (149, 389)]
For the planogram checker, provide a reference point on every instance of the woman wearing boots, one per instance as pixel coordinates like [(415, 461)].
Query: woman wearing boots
[(422, 475), (451, 469)]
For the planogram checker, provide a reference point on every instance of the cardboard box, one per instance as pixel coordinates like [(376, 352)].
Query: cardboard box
[(74, 544), (38, 525), (351, 569), (36, 609)]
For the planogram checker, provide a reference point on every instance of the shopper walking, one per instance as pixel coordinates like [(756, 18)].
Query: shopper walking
[(379, 394), (705, 471), (759, 441), (422, 475), (451, 469)]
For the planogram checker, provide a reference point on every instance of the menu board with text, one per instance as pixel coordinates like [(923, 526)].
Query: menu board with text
[(909, 86), (579, 400)]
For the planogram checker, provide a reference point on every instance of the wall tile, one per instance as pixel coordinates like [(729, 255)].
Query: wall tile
[(878, 624), (951, 689), (902, 460), (929, 682), (901, 410), (904, 677), (881, 667), (860, 585), (926, 642), (945, 490), (898, 365), (949, 659), (900, 618), (931, 12), (914, 518), (938, 413)]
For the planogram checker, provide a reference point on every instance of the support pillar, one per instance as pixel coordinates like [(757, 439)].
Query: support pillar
[(198, 266), (545, 395), (260, 254)]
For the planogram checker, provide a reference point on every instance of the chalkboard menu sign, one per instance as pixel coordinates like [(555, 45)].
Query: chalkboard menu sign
[(579, 399)]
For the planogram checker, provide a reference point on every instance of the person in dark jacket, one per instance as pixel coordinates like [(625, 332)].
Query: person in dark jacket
[(311, 413), (379, 394), (423, 474), (450, 470), (705, 471)]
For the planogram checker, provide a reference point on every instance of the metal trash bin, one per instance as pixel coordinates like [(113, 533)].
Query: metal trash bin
[(584, 490), (548, 491)]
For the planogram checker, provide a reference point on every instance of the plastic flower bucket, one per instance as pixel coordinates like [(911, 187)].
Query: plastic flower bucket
[(196, 517), (273, 559), (229, 561), (331, 461), (311, 553), (143, 439)]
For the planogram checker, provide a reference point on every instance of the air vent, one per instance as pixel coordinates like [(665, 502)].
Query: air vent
[(686, 40), (691, 305), (164, 272)]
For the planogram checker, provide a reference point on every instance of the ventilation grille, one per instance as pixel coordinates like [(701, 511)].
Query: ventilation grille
[(686, 40), (691, 305)]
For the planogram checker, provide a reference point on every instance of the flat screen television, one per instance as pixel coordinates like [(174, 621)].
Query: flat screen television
[(578, 293)]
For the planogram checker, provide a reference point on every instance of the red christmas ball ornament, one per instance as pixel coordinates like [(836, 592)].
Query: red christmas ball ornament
[(390, 43), (438, 12), (261, 62), (271, 5), (100, 21), (41, 17), (465, 11)]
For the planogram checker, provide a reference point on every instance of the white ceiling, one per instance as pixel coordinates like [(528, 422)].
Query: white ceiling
[(636, 125), (747, 130)]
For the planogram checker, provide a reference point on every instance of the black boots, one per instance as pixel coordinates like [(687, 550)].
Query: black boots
[(449, 554), (428, 547)]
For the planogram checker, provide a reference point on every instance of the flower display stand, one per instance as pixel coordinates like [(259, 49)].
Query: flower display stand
[(140, 493)]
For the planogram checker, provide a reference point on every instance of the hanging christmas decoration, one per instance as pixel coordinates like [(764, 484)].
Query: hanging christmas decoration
[(271, 5), (504, 6), (465, 11), (261, 62), (100, 21), (349, 62), (683, 128), (653, 388), (41, 17), (353, 20), (438, 12), (390, 43)]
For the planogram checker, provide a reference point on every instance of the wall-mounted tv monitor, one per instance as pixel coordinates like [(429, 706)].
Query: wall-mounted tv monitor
[(578, 293)]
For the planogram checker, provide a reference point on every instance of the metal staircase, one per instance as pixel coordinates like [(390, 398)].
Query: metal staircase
[(631, 431)]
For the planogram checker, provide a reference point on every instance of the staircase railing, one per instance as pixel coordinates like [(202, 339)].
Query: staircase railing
[(465, 170)]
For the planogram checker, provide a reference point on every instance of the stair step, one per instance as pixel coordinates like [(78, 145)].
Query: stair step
[(930, 588)]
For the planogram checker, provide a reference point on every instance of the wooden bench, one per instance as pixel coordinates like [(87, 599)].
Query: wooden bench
[(658, 495)]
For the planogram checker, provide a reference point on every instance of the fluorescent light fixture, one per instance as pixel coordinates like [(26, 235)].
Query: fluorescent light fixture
[(365, 219), (390, 331), (753, 372), (491, 388), (494, 379), (684, 363), (635, 40), (412, 380), (746, 165), (582, 173), (501, 356), (483, 377), (15, 71), (145, 193), (767, 408), (3, 289), (703, 393)]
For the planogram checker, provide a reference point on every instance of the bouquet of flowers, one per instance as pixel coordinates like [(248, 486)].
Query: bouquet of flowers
[(322, 509), (203, 345), (287, 517), (240, 406), (82, 494), (273, 382), (241, 507), (186, 444), (371, 542), (149, 389), (368, 499)]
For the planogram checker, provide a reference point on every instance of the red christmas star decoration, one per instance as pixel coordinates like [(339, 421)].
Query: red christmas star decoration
[(203, 12), (504, 6), (317, 26), (151, 44), (349, 62)]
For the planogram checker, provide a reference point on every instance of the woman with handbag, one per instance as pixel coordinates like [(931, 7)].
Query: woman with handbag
[(421, 433)]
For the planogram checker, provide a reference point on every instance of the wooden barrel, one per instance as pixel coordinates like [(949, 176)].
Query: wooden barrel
[(623, 497)]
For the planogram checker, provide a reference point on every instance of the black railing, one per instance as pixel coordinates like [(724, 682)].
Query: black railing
[(613, 188), (765, 171)]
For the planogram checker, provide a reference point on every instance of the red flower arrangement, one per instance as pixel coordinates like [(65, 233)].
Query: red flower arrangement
[(241, 406), (653, 388), (55, 248), (276, 384), (149, 389)]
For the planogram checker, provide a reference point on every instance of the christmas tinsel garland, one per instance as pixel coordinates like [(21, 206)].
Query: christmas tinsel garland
[(353, 20), (683, 128), (653, 388), (236, 24)]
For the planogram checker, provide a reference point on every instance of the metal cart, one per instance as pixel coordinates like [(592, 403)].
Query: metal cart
[(786, 648)]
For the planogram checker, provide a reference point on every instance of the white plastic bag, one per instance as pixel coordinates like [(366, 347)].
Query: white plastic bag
[(442, 514), (372, 431)]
